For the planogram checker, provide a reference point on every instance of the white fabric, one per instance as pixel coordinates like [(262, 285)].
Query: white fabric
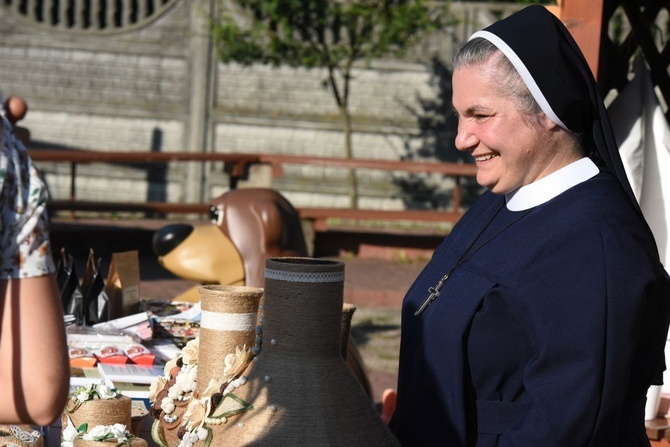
[(546, 188), (227, 322), (643, 136)]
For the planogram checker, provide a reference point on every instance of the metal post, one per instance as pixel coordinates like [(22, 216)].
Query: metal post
[(73, 186), (200, 88)]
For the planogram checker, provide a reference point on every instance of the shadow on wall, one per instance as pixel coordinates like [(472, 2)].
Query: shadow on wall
[(157, 174), (435, 141)]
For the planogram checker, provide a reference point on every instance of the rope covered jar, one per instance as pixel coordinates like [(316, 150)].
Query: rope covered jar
[(229, 317), (229, 334), (300, 390), (96, 415), (99, 412)]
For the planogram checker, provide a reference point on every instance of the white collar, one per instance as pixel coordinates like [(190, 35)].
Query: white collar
[(546, 188)]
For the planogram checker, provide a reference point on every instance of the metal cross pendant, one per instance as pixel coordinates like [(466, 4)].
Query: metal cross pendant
[(434, 292)]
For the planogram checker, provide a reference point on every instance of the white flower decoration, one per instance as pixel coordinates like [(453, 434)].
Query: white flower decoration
[(94, 391), (105, 392), (98, 433), (213, 387), (190, 438), (229, 361), (175, 390), (196, 412), (190, 352), (82, 395), (156, 387), (185, 382), (167, 405), (69, 434), (120, 433)]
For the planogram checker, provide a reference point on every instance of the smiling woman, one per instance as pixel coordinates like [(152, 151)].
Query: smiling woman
[(541, 319), (511, 147)]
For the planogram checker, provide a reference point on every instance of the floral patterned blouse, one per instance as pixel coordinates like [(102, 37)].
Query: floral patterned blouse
[(25, 250)]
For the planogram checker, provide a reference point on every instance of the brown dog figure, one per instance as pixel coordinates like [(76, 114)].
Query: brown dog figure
[(249, 226)]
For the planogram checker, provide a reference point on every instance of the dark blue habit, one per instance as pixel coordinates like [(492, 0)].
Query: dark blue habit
[(549, 335)]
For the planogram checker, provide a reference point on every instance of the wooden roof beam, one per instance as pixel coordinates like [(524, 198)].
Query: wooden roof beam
[(583, 18)]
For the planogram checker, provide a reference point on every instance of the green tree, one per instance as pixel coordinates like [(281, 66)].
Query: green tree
[(543, 2), (329, 34)]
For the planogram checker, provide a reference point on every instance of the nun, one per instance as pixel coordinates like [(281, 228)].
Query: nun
[(541, 319)]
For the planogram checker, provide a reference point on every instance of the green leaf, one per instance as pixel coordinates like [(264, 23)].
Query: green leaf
[(318, 33)]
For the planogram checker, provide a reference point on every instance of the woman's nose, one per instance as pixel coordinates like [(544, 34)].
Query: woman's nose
[(465, 139)]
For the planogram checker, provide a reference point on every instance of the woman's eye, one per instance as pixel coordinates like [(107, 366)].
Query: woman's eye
[(481, 117)]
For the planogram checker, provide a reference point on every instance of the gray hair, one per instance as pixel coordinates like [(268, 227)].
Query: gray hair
[(477, 52)]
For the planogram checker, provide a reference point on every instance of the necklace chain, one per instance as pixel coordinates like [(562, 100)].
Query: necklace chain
[(434, 292)]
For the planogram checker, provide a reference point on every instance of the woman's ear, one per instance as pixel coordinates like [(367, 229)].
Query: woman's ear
[(548, 124)]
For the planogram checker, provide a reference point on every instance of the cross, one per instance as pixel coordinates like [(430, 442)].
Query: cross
[(434, 292)]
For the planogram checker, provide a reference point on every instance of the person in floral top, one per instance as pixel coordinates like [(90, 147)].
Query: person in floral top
[(34, 365)]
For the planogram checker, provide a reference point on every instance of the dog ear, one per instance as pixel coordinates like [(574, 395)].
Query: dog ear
[(261, 223), (264, 228)]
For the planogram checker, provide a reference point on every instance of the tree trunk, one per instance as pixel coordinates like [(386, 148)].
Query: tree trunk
[(349, 153)]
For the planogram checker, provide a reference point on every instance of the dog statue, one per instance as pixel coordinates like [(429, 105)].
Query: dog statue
[(249, 226)]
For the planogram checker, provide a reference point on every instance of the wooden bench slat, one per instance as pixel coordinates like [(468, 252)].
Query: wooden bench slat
[(319, 215)]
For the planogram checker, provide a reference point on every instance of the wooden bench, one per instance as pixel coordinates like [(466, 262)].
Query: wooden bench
[(237, 165), (318, 216)]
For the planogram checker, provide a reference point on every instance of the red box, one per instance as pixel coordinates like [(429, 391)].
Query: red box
[(111, 354)]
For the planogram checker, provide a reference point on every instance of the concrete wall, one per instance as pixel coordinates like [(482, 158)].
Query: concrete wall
[(155, 85)]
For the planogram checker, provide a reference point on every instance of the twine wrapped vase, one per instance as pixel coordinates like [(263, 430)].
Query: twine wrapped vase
[(228, 323), (299, 389), (99, 412), (229, 316)]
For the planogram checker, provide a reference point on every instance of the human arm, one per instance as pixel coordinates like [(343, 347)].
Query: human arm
[(33, 351), (34, 366)]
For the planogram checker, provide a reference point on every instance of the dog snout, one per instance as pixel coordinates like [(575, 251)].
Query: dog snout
[(170, 236)]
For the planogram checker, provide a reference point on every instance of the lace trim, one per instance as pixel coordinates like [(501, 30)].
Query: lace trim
[(29, 437)]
